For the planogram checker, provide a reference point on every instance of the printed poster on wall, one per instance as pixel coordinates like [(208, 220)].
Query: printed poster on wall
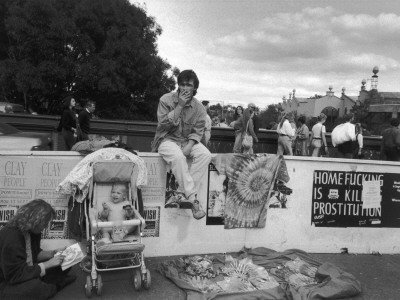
[(23, 179), (6, 214), (355, 199), (154, 191), (216, 196), (152, 216), (58, 227)]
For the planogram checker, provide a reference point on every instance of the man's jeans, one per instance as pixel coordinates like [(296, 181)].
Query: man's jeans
[(188, 180)]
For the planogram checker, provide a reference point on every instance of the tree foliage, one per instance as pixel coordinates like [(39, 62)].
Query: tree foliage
[(270, 115), (104, 51)]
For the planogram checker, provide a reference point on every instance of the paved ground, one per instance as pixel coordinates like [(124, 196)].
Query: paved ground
[(379, 276)]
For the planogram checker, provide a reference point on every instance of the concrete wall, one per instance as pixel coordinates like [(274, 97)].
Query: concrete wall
[(179, 233)]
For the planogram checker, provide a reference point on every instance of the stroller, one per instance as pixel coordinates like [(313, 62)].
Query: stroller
[(125, 252)]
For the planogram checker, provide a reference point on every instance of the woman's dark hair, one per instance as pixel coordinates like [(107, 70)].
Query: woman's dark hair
[(358, 128), (67, 101), (32, 215), (302, 119), (236, 115), (187, 75)]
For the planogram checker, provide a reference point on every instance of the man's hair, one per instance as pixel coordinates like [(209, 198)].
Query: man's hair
[(394, 122), (348, 117), (187, 75), (90, 103), (205, 102), (321, 117), (33, 214)]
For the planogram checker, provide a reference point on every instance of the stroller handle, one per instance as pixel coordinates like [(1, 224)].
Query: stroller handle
[(119, 223)]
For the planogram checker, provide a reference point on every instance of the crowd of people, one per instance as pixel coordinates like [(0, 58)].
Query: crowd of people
[(294, 136), (298, 139)]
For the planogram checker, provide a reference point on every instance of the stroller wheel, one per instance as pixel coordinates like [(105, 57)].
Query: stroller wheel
[(147, 280), (86, 264), (88, 286), (137, 279), (99, 285)]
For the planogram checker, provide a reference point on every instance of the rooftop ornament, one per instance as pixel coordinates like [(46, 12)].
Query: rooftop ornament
[(374, 79)]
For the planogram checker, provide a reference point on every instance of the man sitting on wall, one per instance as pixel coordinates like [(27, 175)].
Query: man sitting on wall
[(181, 124)]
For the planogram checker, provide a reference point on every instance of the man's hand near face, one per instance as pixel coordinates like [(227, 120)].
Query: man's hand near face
[(184, 97), (188, 148)]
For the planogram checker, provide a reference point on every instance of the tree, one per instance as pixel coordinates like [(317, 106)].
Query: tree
[(270, 115), (94, 50)]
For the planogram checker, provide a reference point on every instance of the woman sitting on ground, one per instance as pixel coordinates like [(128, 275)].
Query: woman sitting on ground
[(26, 271)]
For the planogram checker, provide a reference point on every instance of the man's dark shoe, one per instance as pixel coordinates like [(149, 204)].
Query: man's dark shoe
[(184, 203)]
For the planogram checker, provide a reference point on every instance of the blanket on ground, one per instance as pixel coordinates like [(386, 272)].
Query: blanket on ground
[(260, 273)]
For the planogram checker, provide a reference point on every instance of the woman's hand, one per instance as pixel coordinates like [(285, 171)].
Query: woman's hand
[(54, 262), (55, 251)]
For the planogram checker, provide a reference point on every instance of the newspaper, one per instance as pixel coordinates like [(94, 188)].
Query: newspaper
[(73, 255)]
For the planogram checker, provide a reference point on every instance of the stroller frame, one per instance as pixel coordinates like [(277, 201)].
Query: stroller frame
[(109, 172)]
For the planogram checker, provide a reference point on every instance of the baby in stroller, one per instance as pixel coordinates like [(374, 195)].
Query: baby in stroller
[(117, 208)]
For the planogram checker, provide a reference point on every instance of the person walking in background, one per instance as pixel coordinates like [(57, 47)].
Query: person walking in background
[(390, 144), (318, 139), (249, 127), (302, 137), (292, 122), (286, 134), (358, 144), (84, 119), (68, 122), (223, 123), (346, 149), (238, 127), (181, 123), (256, 120), (207, 131), (215, 121)]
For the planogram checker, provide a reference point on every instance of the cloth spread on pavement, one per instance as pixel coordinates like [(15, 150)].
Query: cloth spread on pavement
[(251, 179), (260, 273)]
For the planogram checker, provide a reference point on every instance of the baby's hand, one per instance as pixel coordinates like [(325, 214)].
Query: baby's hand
[(105, 206), (129, 212)]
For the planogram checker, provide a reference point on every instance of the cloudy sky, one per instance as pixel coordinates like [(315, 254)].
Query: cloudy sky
[(260, 50)]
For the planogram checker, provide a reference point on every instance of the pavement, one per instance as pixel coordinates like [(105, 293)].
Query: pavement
[(379, 276)]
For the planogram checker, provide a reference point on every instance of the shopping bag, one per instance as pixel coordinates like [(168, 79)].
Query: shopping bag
[(247, 141)]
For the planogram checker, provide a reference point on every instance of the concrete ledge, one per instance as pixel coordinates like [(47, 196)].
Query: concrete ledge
[(36, 175)]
